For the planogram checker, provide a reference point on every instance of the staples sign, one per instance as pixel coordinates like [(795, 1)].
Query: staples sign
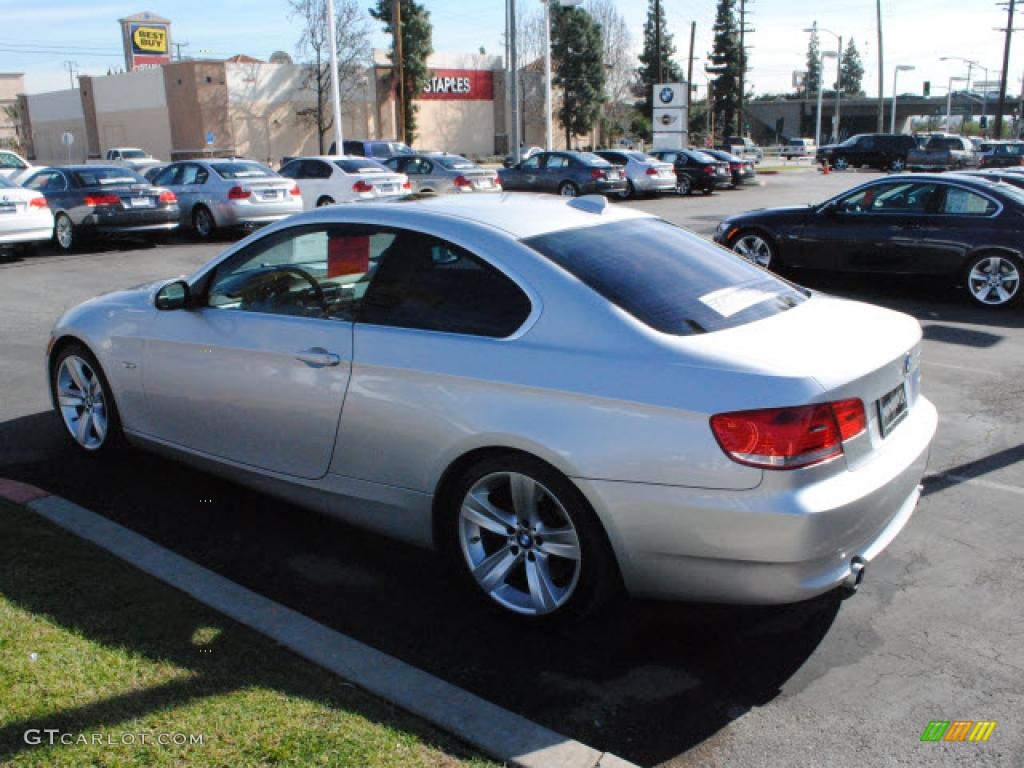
[(459, 84)]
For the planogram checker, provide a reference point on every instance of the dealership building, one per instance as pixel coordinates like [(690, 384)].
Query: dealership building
[(266, 110)]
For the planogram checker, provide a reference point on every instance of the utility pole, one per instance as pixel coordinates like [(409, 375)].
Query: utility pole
[(743, 67), (514, 85), (839, 90), (657, 37), (689, 67), (881, 70), (335, 86), (72, 68), (1001, 104), (400, 67), (179, 46)]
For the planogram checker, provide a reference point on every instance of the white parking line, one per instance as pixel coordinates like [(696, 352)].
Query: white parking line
[(958, 479), (960, 368), (493, 730)]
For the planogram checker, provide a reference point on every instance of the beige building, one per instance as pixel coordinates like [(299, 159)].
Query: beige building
[(11, 84), (265, 111)]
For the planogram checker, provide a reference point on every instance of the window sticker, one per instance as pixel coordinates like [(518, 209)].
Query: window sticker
[(348, 256)]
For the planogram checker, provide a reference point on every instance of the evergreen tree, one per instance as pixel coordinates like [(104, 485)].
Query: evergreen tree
[(813, 65), (851, 71), (647, 74), (729, 58), (578, 60), (417, 45)]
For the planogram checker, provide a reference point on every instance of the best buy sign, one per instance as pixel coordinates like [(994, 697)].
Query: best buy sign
[(149, 38)]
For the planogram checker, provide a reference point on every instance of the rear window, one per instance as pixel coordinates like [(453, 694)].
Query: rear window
[(95, 177), (668, 278), (132, 154), (700, 157), (5, 184), (454, 162), (361, 165), (944, 144), (1014, 150), (589, 158), (237, 170)]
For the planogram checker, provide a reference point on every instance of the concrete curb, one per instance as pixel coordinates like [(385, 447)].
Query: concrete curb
[(497, 732)]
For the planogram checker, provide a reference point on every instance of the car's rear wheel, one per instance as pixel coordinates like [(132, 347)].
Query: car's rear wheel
[(83, 401), (755, 247), (993, 279), (628, 192), (203, 223), (526, 539), (64, 232), (841, 164), (324, 201), (568, 189), (897, 165), (683, 185)]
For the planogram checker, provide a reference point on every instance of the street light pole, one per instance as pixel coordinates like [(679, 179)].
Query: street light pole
[(335, 89), (839, 76), (949, 103), (547, 76), (970, 64), (817, 124), (895, 73)]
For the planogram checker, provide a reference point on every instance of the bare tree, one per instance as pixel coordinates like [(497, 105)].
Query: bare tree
[(353, 35), (620, 61)]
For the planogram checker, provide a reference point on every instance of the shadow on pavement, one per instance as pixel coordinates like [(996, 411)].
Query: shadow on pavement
[(646, 680)]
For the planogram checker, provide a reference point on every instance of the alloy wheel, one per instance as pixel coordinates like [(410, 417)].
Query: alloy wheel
[(683, 186), (897, 165), (841, 164), (567, 190), (993, 280), (65, 232), (519, 543), (82, 402), (754, 248), (202, 222)]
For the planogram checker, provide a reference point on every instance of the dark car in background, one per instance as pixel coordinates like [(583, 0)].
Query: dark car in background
[(885, 151), (569, 174), (695, 170), (381, 150), (1013, 176), (943, 152), (742, 170), (1001, 154), (103, 200), (955, 226)]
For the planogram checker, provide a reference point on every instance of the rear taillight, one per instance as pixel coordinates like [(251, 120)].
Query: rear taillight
[(362, 187), (96, 201), (462, 181), (735, 166), (789, 438), (295, 191), (652, 171), (237, 193), (709, 170), (598, 174), (406, 184), (168, 197), (37, 202), (497, 181)]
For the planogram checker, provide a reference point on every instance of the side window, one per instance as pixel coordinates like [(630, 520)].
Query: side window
[(394, 163), (168, 176), (190, 174), (428, 284), (379, 151), (866, 143), (8, 160), (315, 169), (292, 169), (899, 197), (963, 202), (531, 163), (313, 271), (416, 166), (557, 162), (47, 181)]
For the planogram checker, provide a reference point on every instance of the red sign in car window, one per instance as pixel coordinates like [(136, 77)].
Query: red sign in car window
[(348, 256), (459, 85)]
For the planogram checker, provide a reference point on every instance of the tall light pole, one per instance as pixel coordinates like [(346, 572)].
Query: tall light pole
[(970, 64), (949, 101), (896, 73), (839, 75), (335, 88), (817, 123), (547, 66)]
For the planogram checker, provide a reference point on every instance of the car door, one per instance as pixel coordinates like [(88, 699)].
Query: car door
[(59, 192), (431, 313), (525, 176), (170, 178), (417, 168), (557, 169), (256, 370), (845, 234), (964, 219)]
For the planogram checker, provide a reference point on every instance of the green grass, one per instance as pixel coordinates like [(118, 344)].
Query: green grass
[(89, 645)]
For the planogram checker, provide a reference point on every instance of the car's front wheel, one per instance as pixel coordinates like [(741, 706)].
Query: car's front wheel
[(526, 539), (897, 165), (324, 201), (993, 280), (841, 164), (755, 247), (83, 401)]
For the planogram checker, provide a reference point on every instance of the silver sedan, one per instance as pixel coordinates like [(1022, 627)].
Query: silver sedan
[(645, 175), (561, 396), (439, 173), (229, 192)]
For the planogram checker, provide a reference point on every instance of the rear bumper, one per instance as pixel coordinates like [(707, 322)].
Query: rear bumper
[(143, 220), (654, 184), (778, 543), (26, 229), (242, 214)]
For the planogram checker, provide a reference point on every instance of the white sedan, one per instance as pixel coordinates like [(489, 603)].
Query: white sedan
[(25, 216), (13, 166), (329, 179)]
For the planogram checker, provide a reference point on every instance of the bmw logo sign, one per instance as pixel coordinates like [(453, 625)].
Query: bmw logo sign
[(667, 119), (666, 95)]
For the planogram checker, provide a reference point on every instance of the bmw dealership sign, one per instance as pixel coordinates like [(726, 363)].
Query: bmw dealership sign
[(671, 115)]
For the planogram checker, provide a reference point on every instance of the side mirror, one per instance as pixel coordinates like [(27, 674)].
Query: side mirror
[(173, 295)]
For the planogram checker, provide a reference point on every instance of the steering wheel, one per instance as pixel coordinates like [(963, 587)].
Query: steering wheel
[(265, 283)]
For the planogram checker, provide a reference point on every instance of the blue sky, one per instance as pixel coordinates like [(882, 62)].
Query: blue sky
[(917, 32)]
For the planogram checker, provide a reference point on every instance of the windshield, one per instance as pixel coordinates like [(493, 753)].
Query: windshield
[(700, 157), (454, 162), (639, 156), (853, 140), (666, 277), (1012, 191), (361, 165), (398, 148), (589, 158), (1010, 149), (95, 177), (132, 154), (241, 170)]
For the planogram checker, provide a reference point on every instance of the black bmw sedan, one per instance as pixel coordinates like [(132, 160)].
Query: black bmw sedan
[(564, 173), (103, 200), (964, 228)]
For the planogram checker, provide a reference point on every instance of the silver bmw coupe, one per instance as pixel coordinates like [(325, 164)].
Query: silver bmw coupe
[(563, 397)]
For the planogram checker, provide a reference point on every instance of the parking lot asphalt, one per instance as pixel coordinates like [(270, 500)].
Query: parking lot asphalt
[(934, 634)]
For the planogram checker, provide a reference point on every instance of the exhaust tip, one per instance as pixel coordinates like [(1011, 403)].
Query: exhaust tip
[(851, 584)]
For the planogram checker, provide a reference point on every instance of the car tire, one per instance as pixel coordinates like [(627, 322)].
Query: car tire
[(684, 186), (756, 247), (629, 192), (897, 165), (499, 546), (83, 401), (325, 200), (841, 164), (203, 223), (64, 233), (993, 280), (568, 189)]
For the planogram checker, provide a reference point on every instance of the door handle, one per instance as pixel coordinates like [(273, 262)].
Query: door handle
[(318, 357)]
